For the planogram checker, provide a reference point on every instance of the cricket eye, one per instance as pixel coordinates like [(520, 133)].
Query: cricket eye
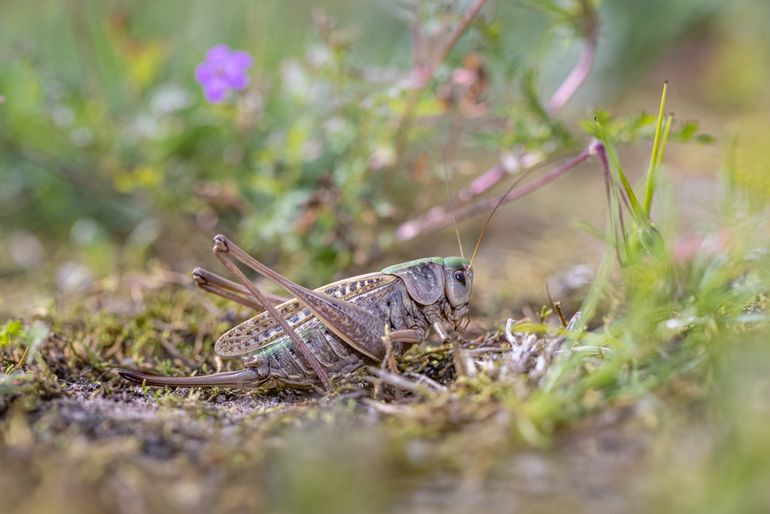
[(460, 277)]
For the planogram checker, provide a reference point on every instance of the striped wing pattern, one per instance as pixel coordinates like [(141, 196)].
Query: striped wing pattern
[(261, 332)]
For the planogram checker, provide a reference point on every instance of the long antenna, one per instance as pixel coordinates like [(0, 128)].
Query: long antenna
[(522, 176), (451, 204)]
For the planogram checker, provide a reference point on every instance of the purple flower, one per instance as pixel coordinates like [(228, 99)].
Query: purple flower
[(222, 71)]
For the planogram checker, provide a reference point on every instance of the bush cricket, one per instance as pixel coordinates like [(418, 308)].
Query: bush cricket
[(337, 328), (332, 330)]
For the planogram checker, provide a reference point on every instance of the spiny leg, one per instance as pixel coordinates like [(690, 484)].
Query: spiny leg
[(222, 247), (226, 293), (407, 336), (220, 286), (356, 326), (220, 281), (459, 356)]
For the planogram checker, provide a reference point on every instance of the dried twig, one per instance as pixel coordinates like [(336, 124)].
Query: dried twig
[(387, 408), (422, 379), (398, 381)]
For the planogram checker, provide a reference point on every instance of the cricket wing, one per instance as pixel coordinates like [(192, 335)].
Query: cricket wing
[(262, 331)]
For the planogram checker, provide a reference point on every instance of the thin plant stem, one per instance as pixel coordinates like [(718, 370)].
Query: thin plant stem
[(423, 71), (440, 218), (433, 219)]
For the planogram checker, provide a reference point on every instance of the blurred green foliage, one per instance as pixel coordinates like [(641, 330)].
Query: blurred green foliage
[(107, 146), (676, 331), (105, 139)]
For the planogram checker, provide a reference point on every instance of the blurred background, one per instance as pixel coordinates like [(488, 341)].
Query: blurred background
[(112, 160), (115, 170)]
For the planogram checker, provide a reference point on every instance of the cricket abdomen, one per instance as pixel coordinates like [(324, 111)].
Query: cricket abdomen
[(286, 366), (262, 332)]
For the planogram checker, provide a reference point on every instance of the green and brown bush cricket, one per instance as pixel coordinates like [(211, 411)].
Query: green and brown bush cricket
[(332, 330), (335, 329)]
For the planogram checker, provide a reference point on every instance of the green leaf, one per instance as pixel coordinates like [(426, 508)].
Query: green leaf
[(688, 130), (36, 334), (10, 330)]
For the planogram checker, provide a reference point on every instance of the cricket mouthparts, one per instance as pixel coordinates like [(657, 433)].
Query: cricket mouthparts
[(440, 330)]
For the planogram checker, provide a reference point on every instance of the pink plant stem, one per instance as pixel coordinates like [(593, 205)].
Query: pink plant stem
[(417, 37), (576, 77), (597, 147), (456, 34), (440, 217), (482, 183)]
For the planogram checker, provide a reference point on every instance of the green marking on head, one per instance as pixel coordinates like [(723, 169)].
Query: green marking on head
[(449, 262), (456, 262), (392, 270)]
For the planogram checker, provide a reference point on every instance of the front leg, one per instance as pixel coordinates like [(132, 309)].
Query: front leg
[(436, 320)]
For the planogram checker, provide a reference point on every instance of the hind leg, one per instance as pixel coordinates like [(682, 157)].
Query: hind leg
[(220, 286), (227, 251)]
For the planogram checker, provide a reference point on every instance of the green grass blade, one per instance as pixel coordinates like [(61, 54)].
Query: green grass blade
[(636, 208), (654, 160), (663, 140)]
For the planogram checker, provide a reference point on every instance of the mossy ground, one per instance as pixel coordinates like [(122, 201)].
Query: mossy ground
[(77, 438), (654, 399)]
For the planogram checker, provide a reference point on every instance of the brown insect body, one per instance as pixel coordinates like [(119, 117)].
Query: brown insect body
[(342, 326), (265, 348)]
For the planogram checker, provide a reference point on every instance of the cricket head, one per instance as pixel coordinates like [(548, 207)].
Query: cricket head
[(458, 281), (431, 280)]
